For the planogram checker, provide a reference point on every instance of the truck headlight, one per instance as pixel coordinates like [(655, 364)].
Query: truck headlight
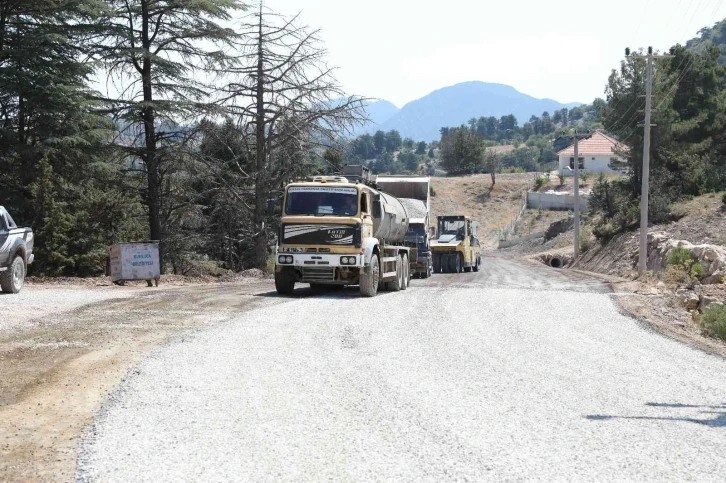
[(284, 259), (347, 260)]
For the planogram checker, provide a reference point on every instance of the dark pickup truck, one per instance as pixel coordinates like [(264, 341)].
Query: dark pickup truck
[(16, 253)]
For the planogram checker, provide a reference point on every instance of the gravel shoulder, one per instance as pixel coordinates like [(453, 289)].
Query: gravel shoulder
[(66, 348)]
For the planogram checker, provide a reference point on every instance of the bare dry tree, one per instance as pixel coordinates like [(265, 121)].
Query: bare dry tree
[(491, 164), (283, 93)]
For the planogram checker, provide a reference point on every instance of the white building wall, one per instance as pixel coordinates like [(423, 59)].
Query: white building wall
[(593, 164)]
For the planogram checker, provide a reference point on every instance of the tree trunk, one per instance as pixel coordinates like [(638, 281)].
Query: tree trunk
[(152, 165), (260, 258)]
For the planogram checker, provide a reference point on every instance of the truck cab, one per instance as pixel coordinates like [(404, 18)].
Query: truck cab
[(419, 235), (342, 230), (16, 253)]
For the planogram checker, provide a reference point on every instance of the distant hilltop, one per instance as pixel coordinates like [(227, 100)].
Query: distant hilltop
[(454, 105)]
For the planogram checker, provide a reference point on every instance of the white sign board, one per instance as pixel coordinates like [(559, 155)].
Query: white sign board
[(135, 261)]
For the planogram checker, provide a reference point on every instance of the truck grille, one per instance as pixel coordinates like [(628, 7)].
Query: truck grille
[(318, 274)]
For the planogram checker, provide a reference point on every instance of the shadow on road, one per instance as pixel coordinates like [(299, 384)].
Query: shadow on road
[(332, 292), (715, 415)]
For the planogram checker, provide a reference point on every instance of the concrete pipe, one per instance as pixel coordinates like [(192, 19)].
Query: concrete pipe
[(556, 262)]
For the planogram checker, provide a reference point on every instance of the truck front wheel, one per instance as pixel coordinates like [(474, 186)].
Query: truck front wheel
[(284, 282), (369, 281), (12, 279)]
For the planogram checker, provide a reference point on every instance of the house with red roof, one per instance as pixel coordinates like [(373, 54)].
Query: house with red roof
[(598, 154)]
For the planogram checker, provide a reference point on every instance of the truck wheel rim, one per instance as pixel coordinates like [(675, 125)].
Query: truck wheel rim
[(17, 275)]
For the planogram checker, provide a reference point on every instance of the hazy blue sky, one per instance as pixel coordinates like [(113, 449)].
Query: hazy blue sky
[(400, 50)]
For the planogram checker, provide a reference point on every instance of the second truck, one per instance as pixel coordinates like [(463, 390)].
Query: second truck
[(343, 230)]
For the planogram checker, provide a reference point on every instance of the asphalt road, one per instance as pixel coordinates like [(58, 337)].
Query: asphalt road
[(515, 373)]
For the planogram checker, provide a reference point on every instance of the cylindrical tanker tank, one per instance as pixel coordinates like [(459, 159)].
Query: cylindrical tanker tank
[(390, 220)]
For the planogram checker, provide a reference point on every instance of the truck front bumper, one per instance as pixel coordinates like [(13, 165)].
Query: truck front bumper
[(300, 260)]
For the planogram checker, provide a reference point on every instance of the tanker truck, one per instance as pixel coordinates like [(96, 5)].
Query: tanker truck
[(414, 192), (343, 230)]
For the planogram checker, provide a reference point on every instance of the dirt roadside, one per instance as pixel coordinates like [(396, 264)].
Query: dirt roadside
[(57, 369)]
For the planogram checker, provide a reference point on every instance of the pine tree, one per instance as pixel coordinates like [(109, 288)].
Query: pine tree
[(160, 55)]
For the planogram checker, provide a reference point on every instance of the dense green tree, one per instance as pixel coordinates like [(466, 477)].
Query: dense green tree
[(421, 147), (379, 142), (56, 171), (408, 143), (507, 124), (393, 140), (461, 151), (409, 161)]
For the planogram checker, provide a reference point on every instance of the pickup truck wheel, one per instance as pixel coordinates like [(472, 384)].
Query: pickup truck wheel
[(369, 281), (476, 266), (284, 282), (12, 279)]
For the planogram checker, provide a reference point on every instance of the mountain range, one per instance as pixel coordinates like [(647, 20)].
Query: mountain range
[(455, 105)]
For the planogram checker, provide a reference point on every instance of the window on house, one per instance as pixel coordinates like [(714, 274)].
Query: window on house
[(581, 162)]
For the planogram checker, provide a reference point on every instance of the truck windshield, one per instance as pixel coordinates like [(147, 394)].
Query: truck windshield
[(313, 200), (452, 227), (416, 234)]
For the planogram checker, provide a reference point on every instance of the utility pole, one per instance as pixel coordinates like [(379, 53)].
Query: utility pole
[(576, 166), (645, 172), (645, 175), (577, 200)]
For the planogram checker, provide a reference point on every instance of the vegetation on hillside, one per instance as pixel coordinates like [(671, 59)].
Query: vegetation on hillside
[(464, 148), (688, 144)]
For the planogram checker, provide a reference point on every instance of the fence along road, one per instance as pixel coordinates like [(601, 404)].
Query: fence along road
[(515, 372)]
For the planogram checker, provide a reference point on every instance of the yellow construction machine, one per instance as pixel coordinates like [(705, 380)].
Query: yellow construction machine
[(457, 248)]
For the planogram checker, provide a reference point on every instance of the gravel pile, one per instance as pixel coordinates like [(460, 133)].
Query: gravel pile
[(414, 208), (421, 385)]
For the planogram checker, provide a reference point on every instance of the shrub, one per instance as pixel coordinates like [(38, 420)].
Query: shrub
[(713, 322), (680, 256), (539, 182), (723, 201), (584, 176), (561, 176), (682, 267), (432, 191), (604, 231), (585, 241), (697, 271)]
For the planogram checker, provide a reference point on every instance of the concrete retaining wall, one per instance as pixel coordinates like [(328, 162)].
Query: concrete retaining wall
[(549, 201)]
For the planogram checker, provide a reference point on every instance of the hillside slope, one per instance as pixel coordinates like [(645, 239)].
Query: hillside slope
[(378, 112), (474, 196), (454, 105)]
